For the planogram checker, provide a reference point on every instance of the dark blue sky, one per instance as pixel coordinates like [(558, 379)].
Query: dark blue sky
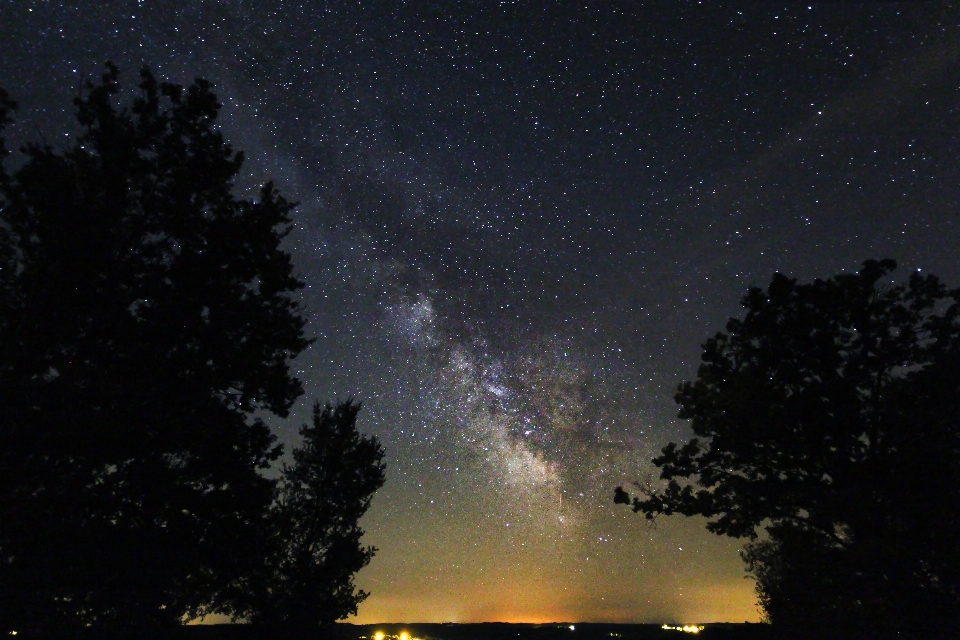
[(519, 220)]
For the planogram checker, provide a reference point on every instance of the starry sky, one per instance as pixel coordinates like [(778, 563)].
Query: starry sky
[(519, 220)]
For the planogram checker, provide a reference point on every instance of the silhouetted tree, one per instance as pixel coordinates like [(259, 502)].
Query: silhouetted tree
[(145, 315), (307, 580), (830, 416)]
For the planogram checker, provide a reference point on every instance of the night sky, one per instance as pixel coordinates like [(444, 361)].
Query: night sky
[(519, 221)]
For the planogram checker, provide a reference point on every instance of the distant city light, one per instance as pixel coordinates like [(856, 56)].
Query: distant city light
[(403, 635), (688, 628)]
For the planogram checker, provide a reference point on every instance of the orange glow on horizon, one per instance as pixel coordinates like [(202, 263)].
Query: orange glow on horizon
[(707, 602)]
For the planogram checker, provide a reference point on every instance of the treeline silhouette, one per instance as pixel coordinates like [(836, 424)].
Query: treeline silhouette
[(146, 321), (827, 426)]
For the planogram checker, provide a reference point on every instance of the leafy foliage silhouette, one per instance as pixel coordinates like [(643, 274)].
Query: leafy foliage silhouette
[(307, 579), (828, 419), (145, 316)]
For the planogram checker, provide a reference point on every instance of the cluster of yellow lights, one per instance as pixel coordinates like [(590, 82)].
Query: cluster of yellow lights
[(380, 635), (688, 628)]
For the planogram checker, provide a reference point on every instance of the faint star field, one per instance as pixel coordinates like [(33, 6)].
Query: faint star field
[(518, 221)]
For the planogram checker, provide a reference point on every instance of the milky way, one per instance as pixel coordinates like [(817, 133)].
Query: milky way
[(519, 221)]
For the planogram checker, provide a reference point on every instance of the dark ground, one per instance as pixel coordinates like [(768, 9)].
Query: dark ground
[(582, 631), (484, 631)]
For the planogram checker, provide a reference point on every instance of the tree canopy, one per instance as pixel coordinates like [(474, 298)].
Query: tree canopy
[(827, 420), (307, 579), (145, 319)]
